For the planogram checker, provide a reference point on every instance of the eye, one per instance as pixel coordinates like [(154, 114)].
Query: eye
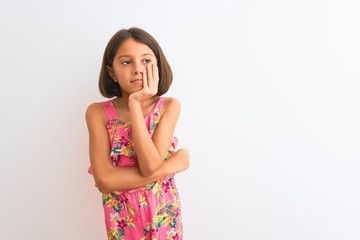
[(127, 62), (147, 61)]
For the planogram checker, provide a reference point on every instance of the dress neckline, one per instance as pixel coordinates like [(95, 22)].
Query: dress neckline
[(129, 121)]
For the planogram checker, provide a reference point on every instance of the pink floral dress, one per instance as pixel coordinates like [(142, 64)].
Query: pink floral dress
[(148, 212)]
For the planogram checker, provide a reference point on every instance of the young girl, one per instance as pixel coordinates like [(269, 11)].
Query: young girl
[(130, 137)]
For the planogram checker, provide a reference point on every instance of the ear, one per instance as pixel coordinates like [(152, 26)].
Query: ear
[(111, 73)]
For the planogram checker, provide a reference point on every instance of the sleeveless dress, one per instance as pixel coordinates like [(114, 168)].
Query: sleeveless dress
[(144, 213)]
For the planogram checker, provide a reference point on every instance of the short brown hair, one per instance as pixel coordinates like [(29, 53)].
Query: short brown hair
[(107, 86)]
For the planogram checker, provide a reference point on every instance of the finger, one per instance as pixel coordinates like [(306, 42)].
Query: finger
[(156, 76), (145, 80), (150, 76)]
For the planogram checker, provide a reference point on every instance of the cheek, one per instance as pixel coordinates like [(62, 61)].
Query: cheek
[(120, 74)]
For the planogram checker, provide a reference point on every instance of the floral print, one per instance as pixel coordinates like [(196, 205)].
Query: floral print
[(148, 212)]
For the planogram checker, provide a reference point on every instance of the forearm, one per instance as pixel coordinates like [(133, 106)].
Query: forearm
[(149, 158), (122, 178), (111, 178)]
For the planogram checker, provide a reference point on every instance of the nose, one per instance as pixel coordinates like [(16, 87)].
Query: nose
[(138, 69)]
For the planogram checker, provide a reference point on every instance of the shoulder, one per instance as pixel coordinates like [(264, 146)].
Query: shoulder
[(171, 106), (95, 111), (93, 108), (171, 102)]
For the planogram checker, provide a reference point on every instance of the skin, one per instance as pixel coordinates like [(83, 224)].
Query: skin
[(135, 70)]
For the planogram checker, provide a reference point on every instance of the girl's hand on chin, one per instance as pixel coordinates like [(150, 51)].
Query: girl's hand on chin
[(150, 84)]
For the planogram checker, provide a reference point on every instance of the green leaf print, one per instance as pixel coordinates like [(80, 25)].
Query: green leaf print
[(116, 197), (159, 221), (117, 208), (173, 223), (170, 210), (106, 198)]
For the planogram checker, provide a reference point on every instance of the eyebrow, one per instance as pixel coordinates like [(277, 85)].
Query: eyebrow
[(145, 54)]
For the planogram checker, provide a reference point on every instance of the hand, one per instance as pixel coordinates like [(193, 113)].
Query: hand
[(150, 84), (179, 161)]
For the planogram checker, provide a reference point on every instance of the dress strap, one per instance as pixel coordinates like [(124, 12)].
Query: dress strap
[(160, 103), (110, 110)]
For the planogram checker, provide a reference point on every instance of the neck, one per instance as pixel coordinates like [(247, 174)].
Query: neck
[(123, 101)]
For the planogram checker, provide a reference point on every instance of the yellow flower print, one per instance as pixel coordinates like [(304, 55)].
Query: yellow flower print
[(114, 204), (125, 125), (157, 190), (130, 209), (142, 201), (125, 151), (130, 222)]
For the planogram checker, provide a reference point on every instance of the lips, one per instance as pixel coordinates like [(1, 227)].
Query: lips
[(136, 80)]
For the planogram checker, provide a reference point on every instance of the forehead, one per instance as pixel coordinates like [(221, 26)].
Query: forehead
[(133, 48)]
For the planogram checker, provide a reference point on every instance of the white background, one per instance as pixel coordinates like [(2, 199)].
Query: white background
[(270, 112)]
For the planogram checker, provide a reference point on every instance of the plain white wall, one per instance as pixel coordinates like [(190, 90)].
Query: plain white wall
[(270, 112)]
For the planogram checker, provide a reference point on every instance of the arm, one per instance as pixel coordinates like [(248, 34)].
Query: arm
[(109, 178), (122, 178), (151, 151)]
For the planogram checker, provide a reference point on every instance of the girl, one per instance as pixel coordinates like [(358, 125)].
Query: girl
[(130, 137)]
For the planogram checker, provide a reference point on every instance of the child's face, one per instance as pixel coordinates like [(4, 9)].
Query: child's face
[(129, 64)]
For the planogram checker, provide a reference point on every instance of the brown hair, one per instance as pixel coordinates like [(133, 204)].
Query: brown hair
[(107, 86)]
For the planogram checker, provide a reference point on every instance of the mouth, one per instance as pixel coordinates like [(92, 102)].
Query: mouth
[(136, 81)]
